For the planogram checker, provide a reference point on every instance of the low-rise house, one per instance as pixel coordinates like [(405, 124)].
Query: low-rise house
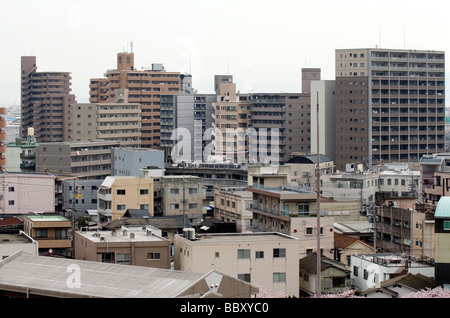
[(362, 230), (368, 270), (400, 286), (142, 246), (345, 246), (334, 277), (267, 260), (52, 232), (26, 275)]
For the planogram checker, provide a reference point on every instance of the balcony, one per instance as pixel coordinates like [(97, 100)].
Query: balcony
[(257, 208)]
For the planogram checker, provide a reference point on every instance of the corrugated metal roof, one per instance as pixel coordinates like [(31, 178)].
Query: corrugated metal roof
[(54, 276), (443, 208)]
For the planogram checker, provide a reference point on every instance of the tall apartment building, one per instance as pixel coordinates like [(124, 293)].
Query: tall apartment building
[(2, 139), (191, 114), (145, 87), (390, 105), (286, 117), (46, 101), (118, 120), (231, 123)]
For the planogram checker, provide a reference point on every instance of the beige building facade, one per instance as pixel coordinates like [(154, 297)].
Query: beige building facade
[(116, 195), (179, 195), (230, 206), (118, 120), (145, 88), (141, 246), (266, 260)]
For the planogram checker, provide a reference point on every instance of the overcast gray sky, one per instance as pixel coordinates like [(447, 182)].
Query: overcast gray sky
[(263, 44)]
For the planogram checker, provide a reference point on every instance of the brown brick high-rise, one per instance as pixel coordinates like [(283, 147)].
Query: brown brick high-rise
[(144, 87), (46, 101), (390, 105)]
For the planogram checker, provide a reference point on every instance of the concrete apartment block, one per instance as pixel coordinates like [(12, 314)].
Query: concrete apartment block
[(268, 260)]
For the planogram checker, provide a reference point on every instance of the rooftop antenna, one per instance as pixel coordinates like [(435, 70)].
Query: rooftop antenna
[(404, 37), (131, 46), (379, 35)]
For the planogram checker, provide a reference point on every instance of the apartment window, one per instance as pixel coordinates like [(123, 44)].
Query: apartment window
[(174, 191), (192, 205), (447, 225), (154, 256), (121, 192), (279, 252), (123, 258), (41, 233), (365, 274), (259, 254), (309, 231), (11, 189), (244, 277), (279, 277), (143, 207), (61, 234), (175, 206), (11, 202), (121, 207), (303, 207), (355, 271), (216, 254), (192, 191), (243, 253), (107, 257)]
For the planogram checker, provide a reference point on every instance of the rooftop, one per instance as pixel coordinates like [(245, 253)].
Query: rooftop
[(125, 234), (443, 208), (243, 237), (49, 276), (46, 218)]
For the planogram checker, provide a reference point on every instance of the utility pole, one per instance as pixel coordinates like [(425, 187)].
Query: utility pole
[(319, 256), (184, 203)]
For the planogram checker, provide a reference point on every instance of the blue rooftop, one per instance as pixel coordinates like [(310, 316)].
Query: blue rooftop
[(443, 208)]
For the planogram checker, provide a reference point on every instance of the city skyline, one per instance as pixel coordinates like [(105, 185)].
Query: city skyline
[(263, 44)]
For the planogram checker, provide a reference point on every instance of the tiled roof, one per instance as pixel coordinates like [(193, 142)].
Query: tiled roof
[(344, 241), (50, 276), (413, 281), (10, 221)]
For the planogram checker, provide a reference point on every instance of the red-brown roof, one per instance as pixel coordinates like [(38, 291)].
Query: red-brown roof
[(344, 241), (10, 221)]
